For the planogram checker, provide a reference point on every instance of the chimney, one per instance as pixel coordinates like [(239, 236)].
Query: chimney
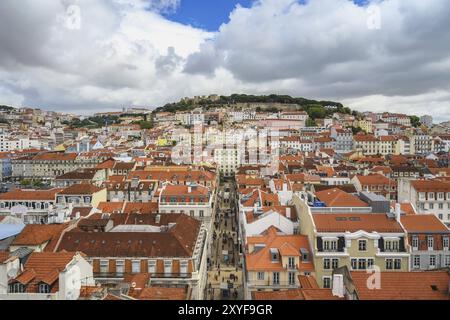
[(285, 188), (288, 213), (158, 219), (397, 212), (189, 189), (338, 285)]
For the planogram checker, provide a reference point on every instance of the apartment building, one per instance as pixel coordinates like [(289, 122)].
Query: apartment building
[(227, 160), (275, 261), (32, 206), (343, 138), (428, 241), (81, 195), (45, 276), (130, 190), (376, 183), (352, 237), (170, 247), (427, 196), (193, 200)]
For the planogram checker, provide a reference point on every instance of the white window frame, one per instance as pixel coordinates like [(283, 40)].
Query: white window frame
[(416, 262), (152, 267), (104, 266), (135, 263), (120, 266)]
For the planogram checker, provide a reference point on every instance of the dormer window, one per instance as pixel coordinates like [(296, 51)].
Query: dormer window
[(274, 255), (16, 287), (305, 254), (44, 288)]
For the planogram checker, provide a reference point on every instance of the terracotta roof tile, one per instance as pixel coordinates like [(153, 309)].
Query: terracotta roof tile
[(426, 285), (37, 234), (423, 223), (338, 198), (31, 195), (81, 189), (352, 222)]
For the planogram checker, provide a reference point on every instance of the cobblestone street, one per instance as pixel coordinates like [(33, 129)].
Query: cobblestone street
[(224, 272)]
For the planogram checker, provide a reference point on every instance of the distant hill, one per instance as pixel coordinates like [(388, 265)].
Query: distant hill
[(315, 109), (6, 108)]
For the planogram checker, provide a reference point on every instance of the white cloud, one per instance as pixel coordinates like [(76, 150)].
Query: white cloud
[(126, 52)]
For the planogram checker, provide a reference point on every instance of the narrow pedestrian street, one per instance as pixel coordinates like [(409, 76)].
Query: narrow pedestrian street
[(225, 280)]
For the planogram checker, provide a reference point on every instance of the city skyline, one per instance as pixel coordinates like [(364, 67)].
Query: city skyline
[(369, 55)]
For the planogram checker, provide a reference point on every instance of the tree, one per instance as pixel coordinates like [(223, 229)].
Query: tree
[(310, 123), (317, 112), (415, 121)]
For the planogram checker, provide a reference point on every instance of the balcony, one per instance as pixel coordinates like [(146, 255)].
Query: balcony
[(291, 267)]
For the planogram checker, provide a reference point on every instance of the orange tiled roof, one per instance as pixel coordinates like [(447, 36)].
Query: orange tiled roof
[(374, 179), (80, 189), (352, 222), (286, 244), (338, 198), (425, 285), (31, 195), (423, 223), (162, 293), (36, 234), (430, 186), (295, 294)]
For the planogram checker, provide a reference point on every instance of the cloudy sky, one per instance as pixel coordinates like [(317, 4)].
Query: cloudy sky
[(88, 55)]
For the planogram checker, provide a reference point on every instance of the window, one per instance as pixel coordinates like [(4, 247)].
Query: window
[(44, 288), (291, 278), (361, 264), (327, 282), (274, 254), (389, 265), (447, 261), (415, 242), (445, 243), (391, 245), (416, 262), (291, 262), (326, 264), (330, 245), (167, 266), (370, 263), (430, 241), (136, 266), (120, 267), (354, 264), (432, 261), (276, 278), (16, 288), (183, 267), (191, 213), (152, 267), (260, 275), (335, 264), (441, 206), (362, 245), (104, 266), (202, 213), (397, 264), (431, 205)]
